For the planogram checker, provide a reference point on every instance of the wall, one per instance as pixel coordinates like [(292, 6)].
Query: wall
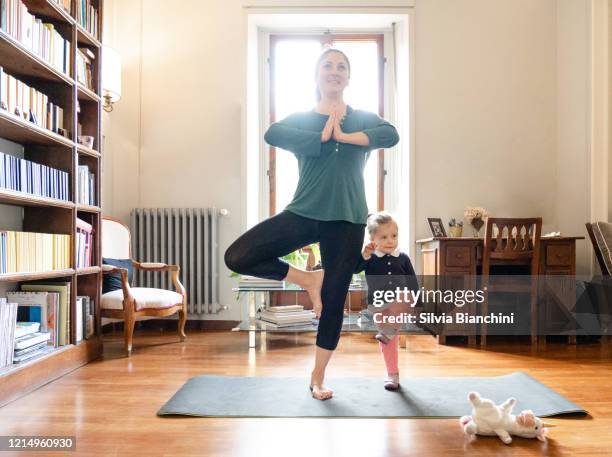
[(485, 109), (573, 130), (489, 110)]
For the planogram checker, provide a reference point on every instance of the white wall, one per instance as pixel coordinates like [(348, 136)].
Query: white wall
[(489, 106), (485, 109), (573, 128)]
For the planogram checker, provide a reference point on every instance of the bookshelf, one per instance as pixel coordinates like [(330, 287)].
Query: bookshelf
[(82, 110)]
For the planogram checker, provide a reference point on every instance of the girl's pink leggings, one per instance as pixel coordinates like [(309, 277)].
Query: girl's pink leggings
[(390, 351)]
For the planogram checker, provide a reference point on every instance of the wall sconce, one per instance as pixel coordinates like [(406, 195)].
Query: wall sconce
[(111, 77)]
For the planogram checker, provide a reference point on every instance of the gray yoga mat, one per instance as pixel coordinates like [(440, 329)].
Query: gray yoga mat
[(225, 396)]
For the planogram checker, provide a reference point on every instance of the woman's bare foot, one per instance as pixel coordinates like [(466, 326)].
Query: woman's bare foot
[(319, 391), (314, 291)]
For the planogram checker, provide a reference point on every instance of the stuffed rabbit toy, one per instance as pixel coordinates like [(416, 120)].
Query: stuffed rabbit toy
[(490, 419)]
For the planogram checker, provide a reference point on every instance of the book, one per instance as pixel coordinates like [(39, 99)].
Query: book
[(302, 317), (34, 347), (8, 321), (63, 288), (30, 340), (26, 328), (33, 307), (30, 355), (285, 308)]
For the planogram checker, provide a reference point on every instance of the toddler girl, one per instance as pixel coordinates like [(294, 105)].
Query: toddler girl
[(386, 269)]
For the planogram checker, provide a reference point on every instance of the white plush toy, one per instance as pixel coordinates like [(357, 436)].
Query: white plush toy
[(489, 419)]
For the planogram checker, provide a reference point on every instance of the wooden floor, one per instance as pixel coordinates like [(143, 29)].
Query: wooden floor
[(110, 404)]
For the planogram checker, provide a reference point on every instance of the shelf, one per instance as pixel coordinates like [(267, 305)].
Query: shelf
[(88, 208), (21, 379), (18, 61), (48, 9), (35, 275), (88, 270), (87, 151), (21, 131), (84, 37), (83, 93), (351, 323), (12, 197)]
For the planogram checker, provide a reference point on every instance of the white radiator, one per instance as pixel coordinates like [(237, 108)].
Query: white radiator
[(187, 237)]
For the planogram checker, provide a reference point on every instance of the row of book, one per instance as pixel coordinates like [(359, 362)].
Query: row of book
[(29, 104), (40, 37), (33, 178), (87, 16), (37, 319), (66, 4), (85, 186), (84, 67), (8, 317), (84, 244), (22, 252), (287, 316)]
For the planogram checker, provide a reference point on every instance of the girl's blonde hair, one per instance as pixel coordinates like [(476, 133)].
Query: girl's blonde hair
[(375, 220)]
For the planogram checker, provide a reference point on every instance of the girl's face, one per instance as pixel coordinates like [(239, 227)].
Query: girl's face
[(385, 237), (333, 74)]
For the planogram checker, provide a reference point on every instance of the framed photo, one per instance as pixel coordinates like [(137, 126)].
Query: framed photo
[(437, 227)]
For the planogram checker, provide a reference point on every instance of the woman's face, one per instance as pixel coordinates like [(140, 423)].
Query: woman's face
[(333, 74)]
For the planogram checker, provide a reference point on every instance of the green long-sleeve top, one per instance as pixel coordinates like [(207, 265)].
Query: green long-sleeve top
[(331, 185)]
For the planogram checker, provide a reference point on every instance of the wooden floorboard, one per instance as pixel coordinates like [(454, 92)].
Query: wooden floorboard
[(109, 405)]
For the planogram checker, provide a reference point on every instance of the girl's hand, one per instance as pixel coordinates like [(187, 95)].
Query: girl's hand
[(327, 132), (368, 249)]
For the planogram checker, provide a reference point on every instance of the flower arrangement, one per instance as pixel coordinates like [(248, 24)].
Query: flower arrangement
[(475, 216)]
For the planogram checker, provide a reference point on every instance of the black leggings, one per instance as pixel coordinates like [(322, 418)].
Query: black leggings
[(257, 251)]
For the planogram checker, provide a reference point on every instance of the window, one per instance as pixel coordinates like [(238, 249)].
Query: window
[(292, 88)]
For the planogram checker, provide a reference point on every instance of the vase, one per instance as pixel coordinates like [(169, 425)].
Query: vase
[(476, 226), (455, 231)]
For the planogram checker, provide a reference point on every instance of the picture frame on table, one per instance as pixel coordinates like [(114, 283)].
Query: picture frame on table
[(437, 227)]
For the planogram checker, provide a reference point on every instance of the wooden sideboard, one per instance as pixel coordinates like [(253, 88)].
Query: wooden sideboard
[(446, 257)]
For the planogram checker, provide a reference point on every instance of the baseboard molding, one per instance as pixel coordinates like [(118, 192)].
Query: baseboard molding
[(170, 324)]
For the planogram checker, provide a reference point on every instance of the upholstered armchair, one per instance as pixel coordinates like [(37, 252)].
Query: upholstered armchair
[(128, 303)]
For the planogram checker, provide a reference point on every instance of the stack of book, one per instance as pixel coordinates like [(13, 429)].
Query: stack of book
[(49, 305), (287, 316), (252, 281), (22, 252), (84, 243), (85, 186), (29, 104), (25, 176), (31, 345), (8, 317), (35, 35)]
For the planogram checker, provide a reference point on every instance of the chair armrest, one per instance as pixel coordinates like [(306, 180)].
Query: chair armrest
[(154, 266), (174, 269), (127, 291)]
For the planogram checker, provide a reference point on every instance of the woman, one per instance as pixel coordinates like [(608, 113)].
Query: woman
[(332, 144)]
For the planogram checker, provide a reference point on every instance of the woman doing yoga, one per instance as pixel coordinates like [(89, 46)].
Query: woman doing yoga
[(332, 143)]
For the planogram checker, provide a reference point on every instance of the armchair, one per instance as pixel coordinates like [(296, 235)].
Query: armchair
[(130, 304)]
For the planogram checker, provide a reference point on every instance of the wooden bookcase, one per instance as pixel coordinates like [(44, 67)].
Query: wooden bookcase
[(65, 153)]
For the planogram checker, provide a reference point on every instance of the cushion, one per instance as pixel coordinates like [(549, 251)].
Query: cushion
[(145, 297), (603, 236), (112, 281)]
